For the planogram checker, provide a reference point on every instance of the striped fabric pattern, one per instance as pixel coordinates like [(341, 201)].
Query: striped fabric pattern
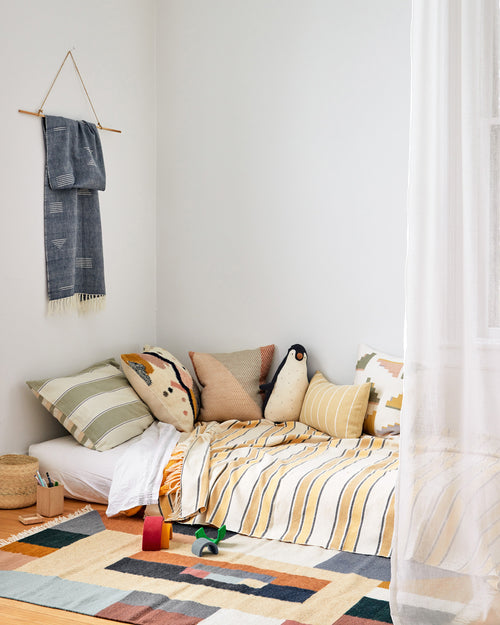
[(445, 507), (337, 410), (64, 180), (289, 482), (97, 405)]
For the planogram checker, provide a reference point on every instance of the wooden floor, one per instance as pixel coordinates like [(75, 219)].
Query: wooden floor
[(15, 612)]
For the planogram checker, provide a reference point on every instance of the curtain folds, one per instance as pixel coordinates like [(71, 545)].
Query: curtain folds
[(446, 550)]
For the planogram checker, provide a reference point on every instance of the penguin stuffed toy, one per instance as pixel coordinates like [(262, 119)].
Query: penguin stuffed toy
[(284, 394)]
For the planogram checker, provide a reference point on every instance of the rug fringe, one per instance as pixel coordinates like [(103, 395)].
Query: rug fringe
[(38, 528)]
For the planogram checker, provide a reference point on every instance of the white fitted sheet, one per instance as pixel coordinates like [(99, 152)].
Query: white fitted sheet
[(86, 474)]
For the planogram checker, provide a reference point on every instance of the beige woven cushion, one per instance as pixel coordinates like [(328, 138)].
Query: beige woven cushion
[(336, 410), (230, 383)]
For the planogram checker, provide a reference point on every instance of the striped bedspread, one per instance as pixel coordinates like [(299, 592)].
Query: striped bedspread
[(451, 515), (285, 481)]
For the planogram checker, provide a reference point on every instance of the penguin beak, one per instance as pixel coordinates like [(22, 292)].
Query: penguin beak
[(299, 356)]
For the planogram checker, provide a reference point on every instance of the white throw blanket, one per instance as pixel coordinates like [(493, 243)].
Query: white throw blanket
[(138, 474)]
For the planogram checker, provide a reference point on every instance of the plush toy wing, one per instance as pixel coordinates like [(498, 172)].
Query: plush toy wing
[(266, 390), (283, 396)]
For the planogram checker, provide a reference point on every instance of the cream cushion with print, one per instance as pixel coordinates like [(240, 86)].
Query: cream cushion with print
[(385, 372), (165, 385), (336, 410)]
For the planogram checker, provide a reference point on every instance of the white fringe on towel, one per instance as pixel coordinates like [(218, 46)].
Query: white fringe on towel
[(79, 302)]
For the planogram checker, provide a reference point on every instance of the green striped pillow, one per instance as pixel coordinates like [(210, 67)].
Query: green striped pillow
[(97, 405)]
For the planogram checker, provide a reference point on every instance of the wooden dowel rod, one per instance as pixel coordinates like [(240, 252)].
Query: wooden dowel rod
[(110, 129), (42, 115), (30, 113)]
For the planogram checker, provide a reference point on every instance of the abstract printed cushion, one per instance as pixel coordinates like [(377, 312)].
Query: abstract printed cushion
[(97, 405), (336, 410), (230, 383), (385, 372), (165, 385)]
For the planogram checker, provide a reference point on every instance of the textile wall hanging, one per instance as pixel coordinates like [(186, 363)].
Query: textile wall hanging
[(74, 173)]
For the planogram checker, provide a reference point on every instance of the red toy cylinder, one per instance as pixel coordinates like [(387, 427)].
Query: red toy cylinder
[(156, 534), (151, 533)]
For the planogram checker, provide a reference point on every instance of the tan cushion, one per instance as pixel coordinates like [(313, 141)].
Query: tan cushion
[(336, 410), (230, 383), (164, 384)]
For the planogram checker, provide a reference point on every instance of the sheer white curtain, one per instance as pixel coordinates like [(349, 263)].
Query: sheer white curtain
[(446, 560)]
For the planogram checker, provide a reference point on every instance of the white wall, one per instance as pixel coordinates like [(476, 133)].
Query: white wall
[(281, 148), (282, 169), (114, 46)]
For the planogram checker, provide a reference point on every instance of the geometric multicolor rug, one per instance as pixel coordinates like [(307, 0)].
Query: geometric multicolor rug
[(94, 565)]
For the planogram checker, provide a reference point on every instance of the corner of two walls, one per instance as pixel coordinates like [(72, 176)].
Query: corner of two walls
[(282, 160), (262, 201)]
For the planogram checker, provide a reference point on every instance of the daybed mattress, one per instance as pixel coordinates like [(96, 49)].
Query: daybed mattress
[(285, 481), (85, 473)]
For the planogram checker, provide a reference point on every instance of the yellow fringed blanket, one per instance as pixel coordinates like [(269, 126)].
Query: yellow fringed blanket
[(285, 481)]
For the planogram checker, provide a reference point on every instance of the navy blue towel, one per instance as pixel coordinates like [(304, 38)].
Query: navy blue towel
[(74, 173)]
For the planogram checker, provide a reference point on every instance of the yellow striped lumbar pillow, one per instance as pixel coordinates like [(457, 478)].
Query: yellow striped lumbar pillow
[(337, 410)]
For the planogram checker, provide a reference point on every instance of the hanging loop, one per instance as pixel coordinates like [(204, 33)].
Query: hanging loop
[(69, 53), (40, 112)]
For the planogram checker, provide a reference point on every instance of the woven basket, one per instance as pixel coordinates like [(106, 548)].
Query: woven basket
[(17, 481)]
